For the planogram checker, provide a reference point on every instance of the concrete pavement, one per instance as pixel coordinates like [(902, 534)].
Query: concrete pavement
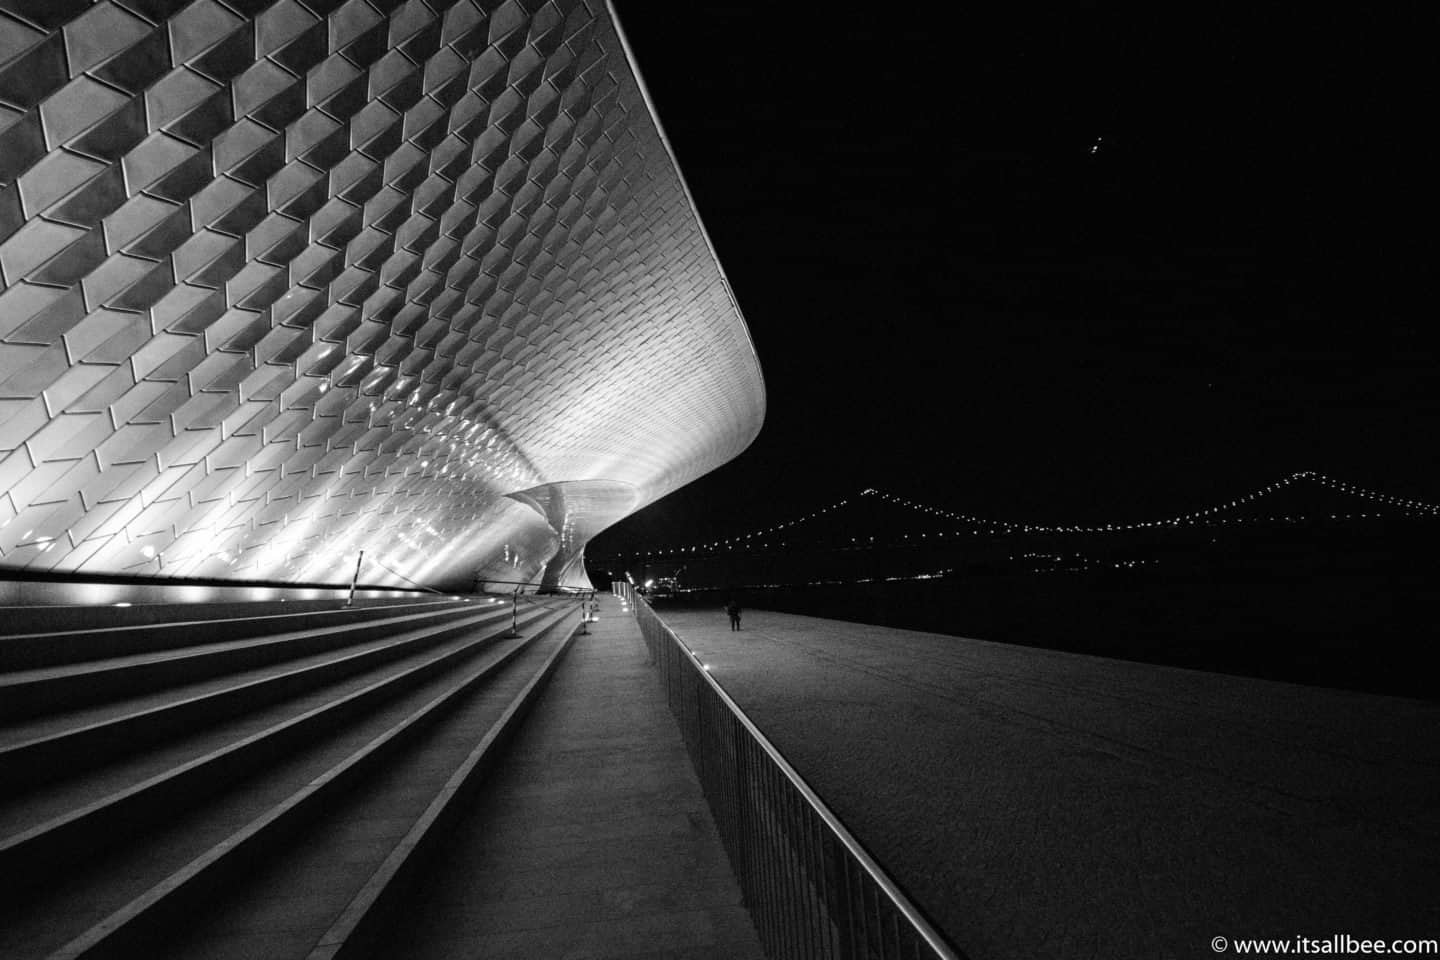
[(1044, 804), (591, 837)]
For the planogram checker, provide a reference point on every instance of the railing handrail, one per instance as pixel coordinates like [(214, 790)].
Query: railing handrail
[(897, 897)]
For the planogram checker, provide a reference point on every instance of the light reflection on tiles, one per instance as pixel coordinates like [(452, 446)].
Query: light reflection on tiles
[(279, 289)]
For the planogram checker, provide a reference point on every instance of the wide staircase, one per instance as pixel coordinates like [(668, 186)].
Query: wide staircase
[(260, 779)]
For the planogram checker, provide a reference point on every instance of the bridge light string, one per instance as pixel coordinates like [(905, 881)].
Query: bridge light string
[(1207, 516), (1413, 506), (1417, 506), (742, 539)]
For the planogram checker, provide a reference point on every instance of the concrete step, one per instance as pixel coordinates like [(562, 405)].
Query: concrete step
[(49, 618), (38, 750), (143, 898), (49, 834), (326, 893), (99, 774), (193, 623), (192, 652)]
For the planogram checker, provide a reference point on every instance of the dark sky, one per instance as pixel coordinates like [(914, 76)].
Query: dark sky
[(955, 298)]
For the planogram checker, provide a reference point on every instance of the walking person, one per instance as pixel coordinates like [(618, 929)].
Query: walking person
[(733, 609)]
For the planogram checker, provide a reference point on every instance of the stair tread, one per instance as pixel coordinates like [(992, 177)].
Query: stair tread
[(114, 879), (39, 619), (278, 610), (289, 904), (59, 723), (42, 805), (38, 674)]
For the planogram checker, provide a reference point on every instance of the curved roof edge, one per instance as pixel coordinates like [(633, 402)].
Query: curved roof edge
[(699, 220)]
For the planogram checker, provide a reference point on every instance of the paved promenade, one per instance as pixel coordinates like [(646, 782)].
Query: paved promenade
[(1042, 804), (591, 838)]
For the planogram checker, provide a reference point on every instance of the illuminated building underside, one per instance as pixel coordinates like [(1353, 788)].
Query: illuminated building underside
[(287, 281)]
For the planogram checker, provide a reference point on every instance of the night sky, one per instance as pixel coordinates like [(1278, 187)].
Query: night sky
[(1057, 264)]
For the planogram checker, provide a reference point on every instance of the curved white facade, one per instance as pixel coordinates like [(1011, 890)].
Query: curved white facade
[(287, 281)]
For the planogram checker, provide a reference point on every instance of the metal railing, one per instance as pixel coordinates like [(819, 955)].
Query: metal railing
[(811, 888)]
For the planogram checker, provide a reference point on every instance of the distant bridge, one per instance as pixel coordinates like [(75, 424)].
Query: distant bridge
[(1313, 497)]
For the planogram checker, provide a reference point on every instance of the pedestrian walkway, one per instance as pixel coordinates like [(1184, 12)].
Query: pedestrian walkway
[(1042, 804), (591, 838)]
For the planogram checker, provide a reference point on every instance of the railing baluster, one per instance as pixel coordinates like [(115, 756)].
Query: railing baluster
[(802, 872), (787, 856), (769, 850), (855, 895), (814, 883), (812, 890)]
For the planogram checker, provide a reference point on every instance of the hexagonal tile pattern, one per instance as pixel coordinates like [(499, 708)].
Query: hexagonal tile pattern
[(284, 281)]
